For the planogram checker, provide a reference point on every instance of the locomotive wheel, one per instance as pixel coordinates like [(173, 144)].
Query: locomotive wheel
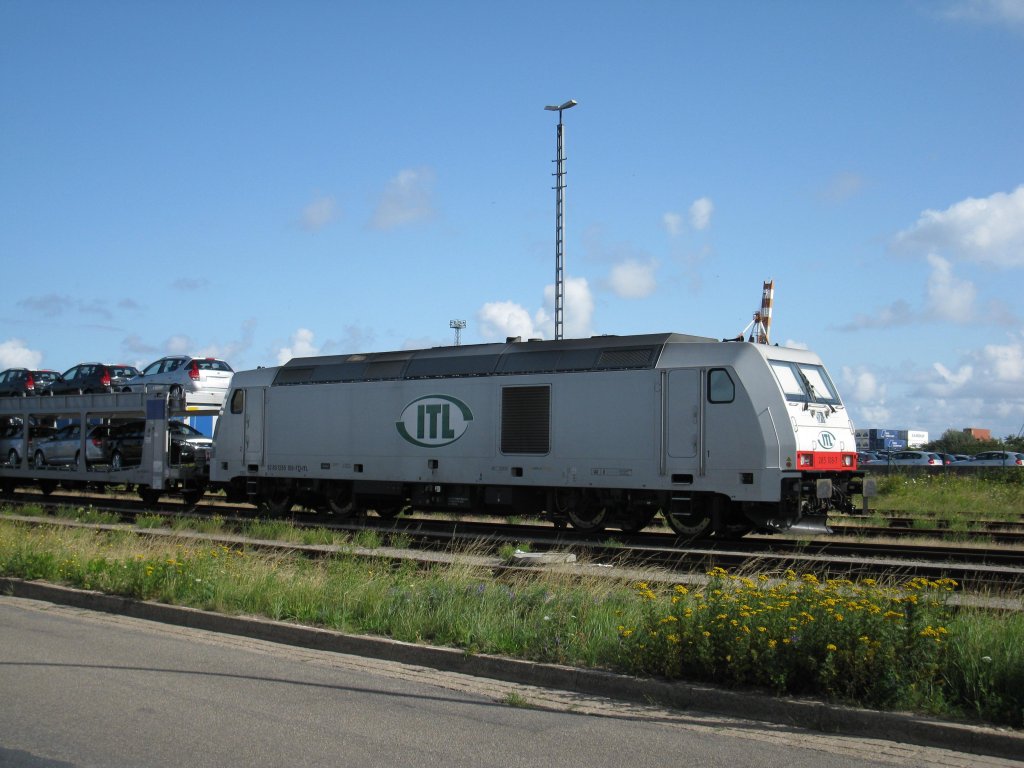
[(689, 521), (632, 522), (150, 496), (584, 511), (279, 501), (390, 511), (191, 498), (340, 502)]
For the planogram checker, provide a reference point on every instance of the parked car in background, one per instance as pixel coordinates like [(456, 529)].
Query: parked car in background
[(125, 443), (916, 458), (63, 448), (87, 378), (869, 459), (11, 439), (21, 382), (200, 380), (998, 459), (948, 459)]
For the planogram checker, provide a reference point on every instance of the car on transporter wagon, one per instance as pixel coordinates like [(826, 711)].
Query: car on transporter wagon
[(64, 447), (125, 441), (23, 382), (200, 380), (12, 440), (90, 378)]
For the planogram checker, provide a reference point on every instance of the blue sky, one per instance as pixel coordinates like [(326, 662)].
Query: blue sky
[(260, 180)]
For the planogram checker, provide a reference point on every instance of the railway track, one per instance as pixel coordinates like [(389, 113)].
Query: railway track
[(975, 568)]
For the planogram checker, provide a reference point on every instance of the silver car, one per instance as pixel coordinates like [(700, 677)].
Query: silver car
[(11, 441), (200, 380), (64, 447), (916, 458), (998, 459)]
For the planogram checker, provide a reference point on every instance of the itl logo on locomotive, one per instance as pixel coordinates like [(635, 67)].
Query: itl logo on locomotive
[(826, 440), (434, 421)]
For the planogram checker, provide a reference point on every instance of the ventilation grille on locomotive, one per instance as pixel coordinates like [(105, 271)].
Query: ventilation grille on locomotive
[(525, 419)]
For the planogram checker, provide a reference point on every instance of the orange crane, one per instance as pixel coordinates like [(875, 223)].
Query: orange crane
[(760, 327)]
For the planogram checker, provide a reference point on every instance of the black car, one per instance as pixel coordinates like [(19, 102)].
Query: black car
[(125, 443), (86, 378), (21, 382)]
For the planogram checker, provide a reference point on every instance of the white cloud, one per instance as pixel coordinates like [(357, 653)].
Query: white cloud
[(949, 382), (986, 231), (578, 309), (842, 187), (949, 298), (1005, 362), (862, 385), (233, 350), (633, 279), (501, 319), (301, 346), (672, 222), (407, 199), (178, 345), (984, 387), (14, 354), (49, 305), (700, 213), (134, 344), (1009, 12), (318, 214), (892, 316)]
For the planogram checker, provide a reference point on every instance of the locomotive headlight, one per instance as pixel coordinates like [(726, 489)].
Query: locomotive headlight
[(805, 460), (847, 460)]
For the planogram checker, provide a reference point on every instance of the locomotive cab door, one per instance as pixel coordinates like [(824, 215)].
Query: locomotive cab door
[(252, 437), (682, 428)]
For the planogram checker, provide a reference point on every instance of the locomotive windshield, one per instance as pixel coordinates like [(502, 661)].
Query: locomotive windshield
[(805, 383)]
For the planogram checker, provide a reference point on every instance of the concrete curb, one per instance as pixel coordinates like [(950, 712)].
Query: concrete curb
[(802, 713)]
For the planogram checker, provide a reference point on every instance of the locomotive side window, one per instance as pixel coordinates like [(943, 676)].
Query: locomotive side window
[(805, 383), (721, 388), (526, 419), (237, 400)]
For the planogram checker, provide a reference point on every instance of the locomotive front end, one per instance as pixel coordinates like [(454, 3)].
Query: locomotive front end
[(824, 445)]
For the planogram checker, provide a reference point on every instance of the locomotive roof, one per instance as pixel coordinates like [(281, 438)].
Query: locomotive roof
[(512, 357)]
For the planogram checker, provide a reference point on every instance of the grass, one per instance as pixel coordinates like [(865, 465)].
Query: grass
[(954, 498), (893, 645)]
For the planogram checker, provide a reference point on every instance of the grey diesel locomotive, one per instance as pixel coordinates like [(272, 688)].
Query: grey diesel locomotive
[(720, 437)]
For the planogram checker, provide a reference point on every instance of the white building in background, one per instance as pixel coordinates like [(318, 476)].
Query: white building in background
[(916, 438)]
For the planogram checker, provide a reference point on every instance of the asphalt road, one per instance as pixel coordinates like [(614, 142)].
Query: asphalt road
[(79, 688)]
